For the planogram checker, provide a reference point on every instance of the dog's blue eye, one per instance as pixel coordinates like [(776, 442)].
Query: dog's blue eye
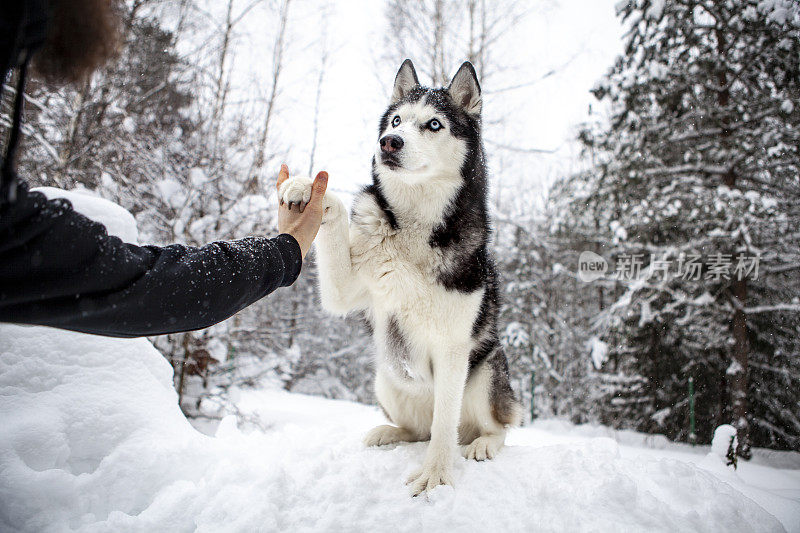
[(435, 125), (396, 121)]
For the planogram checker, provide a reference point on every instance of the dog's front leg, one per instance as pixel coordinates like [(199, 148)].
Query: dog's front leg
[(449, 376), (340, 289)]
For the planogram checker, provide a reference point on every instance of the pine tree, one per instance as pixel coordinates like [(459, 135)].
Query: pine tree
[(699, 165)]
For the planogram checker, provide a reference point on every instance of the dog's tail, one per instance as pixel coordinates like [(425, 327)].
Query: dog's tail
[(506, 409)]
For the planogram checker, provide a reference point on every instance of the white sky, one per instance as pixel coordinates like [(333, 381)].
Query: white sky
[(577, 38)]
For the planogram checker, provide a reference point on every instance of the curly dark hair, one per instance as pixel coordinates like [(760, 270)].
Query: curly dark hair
[(82, 36)]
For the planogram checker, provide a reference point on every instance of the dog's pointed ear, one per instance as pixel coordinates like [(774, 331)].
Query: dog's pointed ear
[(465, 89), (405, 81)]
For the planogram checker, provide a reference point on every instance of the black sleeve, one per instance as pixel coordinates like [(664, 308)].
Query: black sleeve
[(61, 269)]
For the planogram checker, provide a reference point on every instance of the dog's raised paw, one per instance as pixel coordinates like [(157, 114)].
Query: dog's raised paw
[(295, 191), (386, 434), (428, 478)]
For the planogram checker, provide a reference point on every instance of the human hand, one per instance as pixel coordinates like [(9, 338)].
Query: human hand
[(299, 220)]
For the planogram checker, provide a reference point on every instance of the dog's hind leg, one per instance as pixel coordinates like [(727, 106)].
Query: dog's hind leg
[(483, 428), (386, 434), (485, 447), (411, 414)]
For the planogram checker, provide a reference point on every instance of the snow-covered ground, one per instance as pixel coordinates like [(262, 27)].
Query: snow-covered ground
[(92, 440)]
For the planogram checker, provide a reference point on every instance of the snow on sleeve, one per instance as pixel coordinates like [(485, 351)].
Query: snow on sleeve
[(117, 220), (93, 440)]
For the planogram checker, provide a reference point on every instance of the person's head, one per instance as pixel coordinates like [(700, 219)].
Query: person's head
[(73, 37), (81, 36)]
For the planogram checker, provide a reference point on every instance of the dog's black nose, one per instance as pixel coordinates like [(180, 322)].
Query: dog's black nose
[(391, 143)]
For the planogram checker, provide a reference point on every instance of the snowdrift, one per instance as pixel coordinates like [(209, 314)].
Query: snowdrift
[(117, 220), (93, 440)]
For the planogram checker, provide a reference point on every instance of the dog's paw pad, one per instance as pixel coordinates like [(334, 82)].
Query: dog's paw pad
[(295, 191)]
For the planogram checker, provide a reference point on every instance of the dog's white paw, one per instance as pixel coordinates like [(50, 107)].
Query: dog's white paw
[(430, 477), (295, 191), (386, 434), (483, 448)]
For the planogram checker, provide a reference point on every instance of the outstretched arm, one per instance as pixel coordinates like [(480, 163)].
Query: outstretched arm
[(61, 269)]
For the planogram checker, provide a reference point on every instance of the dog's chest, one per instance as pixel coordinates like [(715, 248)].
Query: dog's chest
[(395, 261), (396, 264), (415, 316)]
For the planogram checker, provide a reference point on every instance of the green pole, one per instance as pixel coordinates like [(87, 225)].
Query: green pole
[(533, 387), (692, 434)]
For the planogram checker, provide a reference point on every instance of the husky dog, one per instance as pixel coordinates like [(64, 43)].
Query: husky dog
[(414, 258)]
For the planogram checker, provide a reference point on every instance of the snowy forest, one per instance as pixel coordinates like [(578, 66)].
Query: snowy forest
[(687, 154)]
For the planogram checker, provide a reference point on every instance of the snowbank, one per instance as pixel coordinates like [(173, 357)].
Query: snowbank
[(117, 220), (93, 440)]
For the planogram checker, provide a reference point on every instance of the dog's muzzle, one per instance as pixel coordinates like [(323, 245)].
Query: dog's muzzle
[(391, 144)]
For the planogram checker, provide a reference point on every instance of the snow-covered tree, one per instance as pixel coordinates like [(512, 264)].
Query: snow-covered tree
[(544, 315), (697, 183)]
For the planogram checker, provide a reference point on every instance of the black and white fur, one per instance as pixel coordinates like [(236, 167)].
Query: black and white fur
[(414, 258)]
